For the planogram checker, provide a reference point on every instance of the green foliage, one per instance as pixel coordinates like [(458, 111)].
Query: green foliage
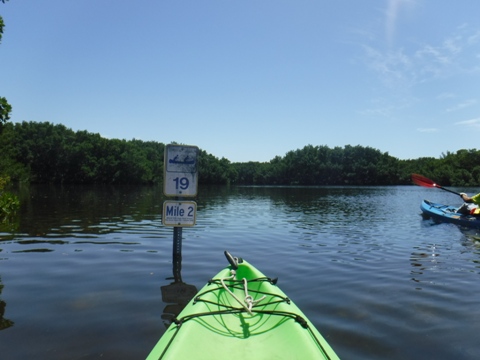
[(9, 203), (5, 107), (47, 153), (2, 25), (5, 110), (3, 182), (320, 165), (452, 169), (214, 171)]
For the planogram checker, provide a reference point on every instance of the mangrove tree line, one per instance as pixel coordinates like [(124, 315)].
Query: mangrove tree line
[(41, 152)]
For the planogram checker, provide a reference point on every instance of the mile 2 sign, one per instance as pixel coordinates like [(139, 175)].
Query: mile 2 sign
[(179, 213), (181, 171)]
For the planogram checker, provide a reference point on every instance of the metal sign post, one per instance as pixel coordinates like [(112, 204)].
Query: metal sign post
[(177, 254)]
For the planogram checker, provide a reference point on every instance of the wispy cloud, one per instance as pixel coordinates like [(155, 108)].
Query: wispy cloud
[(446, 95), (427, 130), (470, 123), (436, 54), (474, 38), (385, 109), (393, 67), (391, 15), (457, 53), (462, 105), (400, 67)]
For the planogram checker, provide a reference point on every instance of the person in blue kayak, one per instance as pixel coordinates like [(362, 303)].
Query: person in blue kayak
[(471, 204)]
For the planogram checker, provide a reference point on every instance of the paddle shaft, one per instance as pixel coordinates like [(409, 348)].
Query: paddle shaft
[(451, 191)]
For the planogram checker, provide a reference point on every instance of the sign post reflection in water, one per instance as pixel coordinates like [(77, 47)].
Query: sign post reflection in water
[(176, 294)]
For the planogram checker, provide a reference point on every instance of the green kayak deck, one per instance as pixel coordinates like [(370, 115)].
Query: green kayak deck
[(241, 314)]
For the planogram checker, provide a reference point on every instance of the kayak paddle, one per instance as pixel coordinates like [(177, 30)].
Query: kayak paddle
[(423, 181)]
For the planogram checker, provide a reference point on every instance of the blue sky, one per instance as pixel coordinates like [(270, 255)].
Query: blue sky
[(253, 79)]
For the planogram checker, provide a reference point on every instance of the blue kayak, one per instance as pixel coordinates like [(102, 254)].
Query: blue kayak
[(448, 214)]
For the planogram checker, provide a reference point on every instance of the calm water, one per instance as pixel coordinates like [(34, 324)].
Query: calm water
[(81, 273)]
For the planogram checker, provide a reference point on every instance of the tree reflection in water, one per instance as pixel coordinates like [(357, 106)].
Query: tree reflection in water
[(4, 323)]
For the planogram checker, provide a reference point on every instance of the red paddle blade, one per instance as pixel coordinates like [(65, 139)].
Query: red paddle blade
[(423, 181)]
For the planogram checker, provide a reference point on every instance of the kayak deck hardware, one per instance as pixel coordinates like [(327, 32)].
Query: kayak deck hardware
[(238, 284), (248, 301)]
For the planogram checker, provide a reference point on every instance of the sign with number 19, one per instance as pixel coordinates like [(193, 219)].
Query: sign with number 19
[(181, 171)]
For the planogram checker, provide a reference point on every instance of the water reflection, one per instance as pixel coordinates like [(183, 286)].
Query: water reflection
[(4, 323), (178, 293), (423, 261), (52, 211)]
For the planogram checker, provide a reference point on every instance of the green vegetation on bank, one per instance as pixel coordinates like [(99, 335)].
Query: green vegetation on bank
[(9, 203), (46, 153), (5, 107)]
